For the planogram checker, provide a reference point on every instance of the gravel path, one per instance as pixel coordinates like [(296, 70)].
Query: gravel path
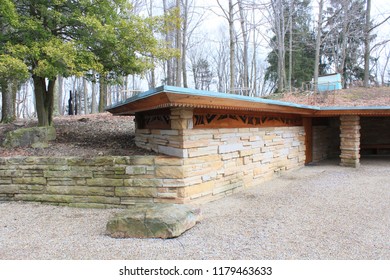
[(318, 212)]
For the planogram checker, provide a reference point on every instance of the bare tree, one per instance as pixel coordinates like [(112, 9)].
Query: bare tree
[(93, 97), (290, 42), (318, 44), (244, 30), (367, 45), (229, 16), (220, 61), (179, 48), (279, 28)]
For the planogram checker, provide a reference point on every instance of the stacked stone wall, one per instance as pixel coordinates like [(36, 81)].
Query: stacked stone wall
[(99, 182), (350, 141), (217, 162), (326, 142)]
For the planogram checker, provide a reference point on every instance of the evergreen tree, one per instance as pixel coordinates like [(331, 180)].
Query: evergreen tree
[(303, 46), (343, 43)]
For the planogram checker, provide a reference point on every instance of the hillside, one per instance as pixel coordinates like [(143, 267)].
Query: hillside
[(358, 96), (86, 135)]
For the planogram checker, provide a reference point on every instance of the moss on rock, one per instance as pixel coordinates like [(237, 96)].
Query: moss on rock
[(31, 136)]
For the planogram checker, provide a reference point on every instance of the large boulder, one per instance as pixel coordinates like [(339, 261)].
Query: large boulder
[(31, 136), (153, 221)]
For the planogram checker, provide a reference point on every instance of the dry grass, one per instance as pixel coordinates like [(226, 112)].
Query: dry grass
[(358, 96)]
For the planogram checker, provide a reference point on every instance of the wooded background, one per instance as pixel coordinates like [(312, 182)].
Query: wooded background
[(75, 57)]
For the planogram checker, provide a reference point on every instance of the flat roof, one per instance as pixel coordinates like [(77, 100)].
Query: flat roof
[(171, 97)]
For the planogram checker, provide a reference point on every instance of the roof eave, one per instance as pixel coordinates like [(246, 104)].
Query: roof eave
[(167, 96)]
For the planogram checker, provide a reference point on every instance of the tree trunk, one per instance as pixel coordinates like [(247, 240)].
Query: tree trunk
[(184, 45), (290, 51), (367, 46), (102, 94), (318, 45), (279, 26), (44, 100), (346, 22), (60, 95), (8, 103), (232, 46), (245, 75), (85, 89), (169, 71), (93, 103), (179, 47)]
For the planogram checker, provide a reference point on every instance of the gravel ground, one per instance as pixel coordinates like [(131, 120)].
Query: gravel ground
[(318, 212)]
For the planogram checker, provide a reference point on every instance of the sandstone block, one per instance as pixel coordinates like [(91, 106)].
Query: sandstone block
[(105, 182), (228, 148), (135, 192), (136, 170), (67, 174), (169, 172), (171, 151), (153, 221), (142, 160), (29, 180)]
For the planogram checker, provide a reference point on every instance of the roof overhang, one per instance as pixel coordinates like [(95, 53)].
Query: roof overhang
[(174, 97)]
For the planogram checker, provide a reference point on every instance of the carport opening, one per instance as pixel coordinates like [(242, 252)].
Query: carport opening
[(375, 136)]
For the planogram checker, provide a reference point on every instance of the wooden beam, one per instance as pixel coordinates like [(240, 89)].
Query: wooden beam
[(307, 124)]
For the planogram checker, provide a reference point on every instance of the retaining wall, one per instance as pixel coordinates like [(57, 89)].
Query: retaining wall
[(92, 182), (218, 162)]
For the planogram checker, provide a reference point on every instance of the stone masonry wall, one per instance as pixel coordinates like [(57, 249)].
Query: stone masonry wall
[(326, 142), (217, 162), (350, 141), (99, 182)]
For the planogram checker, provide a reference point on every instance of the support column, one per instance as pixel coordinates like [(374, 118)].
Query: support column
[(350, 141), (181, 118)]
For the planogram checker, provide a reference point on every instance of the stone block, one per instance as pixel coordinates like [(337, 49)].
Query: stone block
[(122, 160), (136, 170), (170, 151), (76, 190), (169, 172), (29, 180), (5, 181), (204, 188), (170, 161), (228, 148), (202, 159), (131, 201), (135, 192), (173, 183), (9, 189), (142, 160), (179, 124), (10, 173), (67, 174), (153, 221), (102, 200), (202, 151), (105, 182), (170, 132), (146, 182)]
